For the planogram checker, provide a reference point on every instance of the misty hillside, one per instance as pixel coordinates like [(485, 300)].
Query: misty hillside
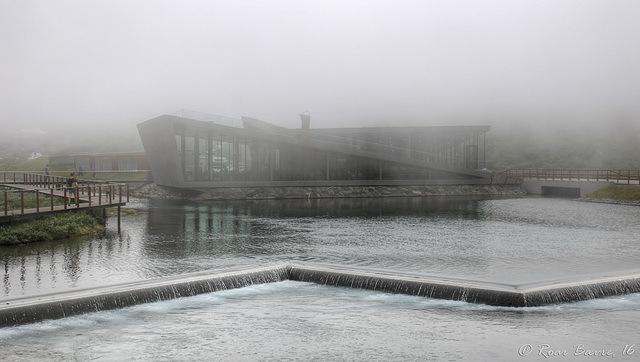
[(63, 141), (616, 146)]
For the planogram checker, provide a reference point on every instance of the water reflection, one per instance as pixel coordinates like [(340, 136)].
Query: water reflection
[(502, 240), (42, 266), (272, 227)]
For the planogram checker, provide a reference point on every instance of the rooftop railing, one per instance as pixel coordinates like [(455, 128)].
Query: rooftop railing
[(207, 117)]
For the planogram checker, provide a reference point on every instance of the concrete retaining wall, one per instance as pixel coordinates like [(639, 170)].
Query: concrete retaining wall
[(535, 187)]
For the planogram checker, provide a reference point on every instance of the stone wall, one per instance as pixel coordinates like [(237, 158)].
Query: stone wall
[(264, 193)]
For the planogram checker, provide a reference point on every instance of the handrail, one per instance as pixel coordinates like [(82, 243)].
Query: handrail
[(628, 176), (55, 187)]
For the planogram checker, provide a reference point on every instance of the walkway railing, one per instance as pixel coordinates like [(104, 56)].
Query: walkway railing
[(39, 193), (618, 176)]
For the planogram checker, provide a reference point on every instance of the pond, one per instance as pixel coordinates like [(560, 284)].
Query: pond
[(511, 240)]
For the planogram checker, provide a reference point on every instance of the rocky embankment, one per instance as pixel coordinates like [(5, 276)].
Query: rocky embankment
[(267, 193)]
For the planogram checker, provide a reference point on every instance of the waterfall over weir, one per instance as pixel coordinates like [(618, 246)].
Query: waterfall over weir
[(59, 305), (66, 304)]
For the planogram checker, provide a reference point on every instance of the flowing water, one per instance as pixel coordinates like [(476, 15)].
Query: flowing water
[(520, 240)]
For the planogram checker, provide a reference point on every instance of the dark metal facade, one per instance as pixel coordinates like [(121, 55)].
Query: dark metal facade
[(187, 153)]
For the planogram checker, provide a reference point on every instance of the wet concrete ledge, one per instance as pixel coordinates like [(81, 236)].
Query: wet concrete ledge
[(472, 291), (65, 304), (59, 305)]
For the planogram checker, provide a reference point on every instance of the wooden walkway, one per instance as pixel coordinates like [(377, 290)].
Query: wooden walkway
[(621, 177), (49, 198)]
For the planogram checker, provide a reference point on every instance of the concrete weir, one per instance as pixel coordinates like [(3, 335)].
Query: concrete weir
[(59, 305), (471, 291)]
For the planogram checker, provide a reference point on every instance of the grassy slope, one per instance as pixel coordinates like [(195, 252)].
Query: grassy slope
[(618, 192)]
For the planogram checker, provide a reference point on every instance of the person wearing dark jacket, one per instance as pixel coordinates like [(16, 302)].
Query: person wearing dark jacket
[(72, 185)]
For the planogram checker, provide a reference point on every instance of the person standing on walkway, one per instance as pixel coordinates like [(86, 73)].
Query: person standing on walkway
[(72, 184), (47, 171), (107, 191)]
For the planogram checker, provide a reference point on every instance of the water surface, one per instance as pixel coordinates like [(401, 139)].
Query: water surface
[(503, 240)]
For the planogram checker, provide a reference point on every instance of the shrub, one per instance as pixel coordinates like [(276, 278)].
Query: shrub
[(56, 227)]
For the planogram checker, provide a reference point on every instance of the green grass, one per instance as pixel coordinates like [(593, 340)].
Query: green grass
[(618, 192), (56, 227), (24, 164), (14, 200), (117, 176)]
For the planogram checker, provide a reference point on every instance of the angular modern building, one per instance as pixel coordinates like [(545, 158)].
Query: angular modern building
[(216, 152)]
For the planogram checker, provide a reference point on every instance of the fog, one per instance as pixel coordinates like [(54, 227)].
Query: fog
[(105, 64)]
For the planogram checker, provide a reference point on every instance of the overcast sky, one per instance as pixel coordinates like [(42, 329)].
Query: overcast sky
[(349, 63)]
